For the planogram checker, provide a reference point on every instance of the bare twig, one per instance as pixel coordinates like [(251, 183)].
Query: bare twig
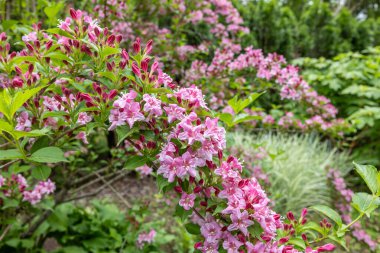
[(5, 232)]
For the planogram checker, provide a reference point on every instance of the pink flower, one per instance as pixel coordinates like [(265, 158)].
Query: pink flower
[(30, 37), (152, 105), (82, 136), (211, 231), (32, 196), (2, 181), (174, 112), (65, 25), (232, 244), (23, 122), (144, 170), (240, 221), (187, 201), (145, 238), (83, 118)]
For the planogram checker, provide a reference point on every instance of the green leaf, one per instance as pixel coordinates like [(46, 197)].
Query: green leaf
[(369, 174), (53, 10), (5, 103), (108, 75), (340, 240), (58, 55), (256, 230), (239, 105), (330, 213), (193, 229), (161, 182), (297, 242), (243, 117), (182, 213), (40, 143), (134, 162), (21, 97), (10, 154), (41, 172), (312, 226), (124, 132), (109, 51), (365, 203), (48, 155)]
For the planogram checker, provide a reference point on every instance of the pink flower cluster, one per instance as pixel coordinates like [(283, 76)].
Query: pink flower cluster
[(17, 183), (345, 208), (145, 238)]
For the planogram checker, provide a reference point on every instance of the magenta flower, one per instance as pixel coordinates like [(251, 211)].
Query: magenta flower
[(187, 201), (240, 221), (232, 244), (152, 105), (23, 122)]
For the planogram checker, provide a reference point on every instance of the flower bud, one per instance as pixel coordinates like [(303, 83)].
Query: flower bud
[(135, 69), (178, 189), (148, 47), (290, 216), (284, 240), (111, 39), (73, 14), (137, 46)]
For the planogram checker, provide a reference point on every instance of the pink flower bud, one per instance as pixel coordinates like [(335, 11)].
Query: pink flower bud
[(30, 47), (326, 248), (111, 39), (73, 14), (178, 189), (17, 82), (290, 216), (125, 55), (284, 240), (137, 46), (112, 94), (135, 69), (304, 237), (197, 189), (148, 47), (304, 212), (119, 38), (18, 70), (198, 245), (49, 44), (144, 65)]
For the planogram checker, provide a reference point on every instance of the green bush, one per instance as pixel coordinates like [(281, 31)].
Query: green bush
[(352, 82)]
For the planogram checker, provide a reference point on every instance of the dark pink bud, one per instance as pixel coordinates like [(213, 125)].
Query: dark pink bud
[(303, 222), (304, 212), (3, 36), (97, 88), (18, 70), (125, 55), (144, 65), (178, 189), (119, 38), (73, 14), (304, 237), (197, 189), (49, 44), (109, 66), (198, 245), (203, 203), (135, 69), (30, 47), (30, 68), (154, 66), (111, 39), (37, 44), (105, 31), (284, 240), (220, 154), (137, 46), (17, 82), (326, 248), (96, 31), (112, 94), (290, 216), (148, 47)]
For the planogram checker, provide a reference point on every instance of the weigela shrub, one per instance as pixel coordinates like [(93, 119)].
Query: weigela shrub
[(74, 80)]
